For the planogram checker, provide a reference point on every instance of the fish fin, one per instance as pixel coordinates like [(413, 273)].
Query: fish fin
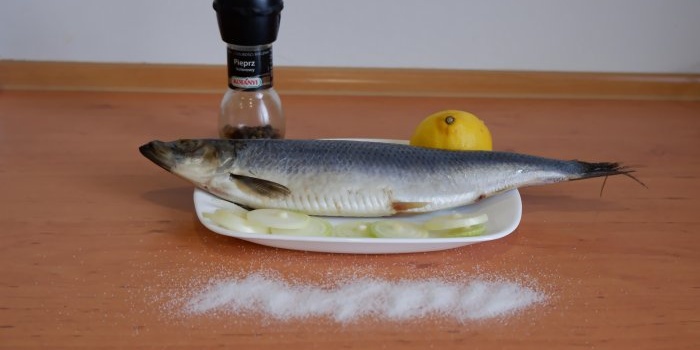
[(589, 170), (262, 187), (401, 207)]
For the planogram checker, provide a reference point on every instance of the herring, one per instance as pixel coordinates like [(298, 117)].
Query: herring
[(357, 178)]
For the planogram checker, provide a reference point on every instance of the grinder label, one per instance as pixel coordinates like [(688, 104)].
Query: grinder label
[(250, 70)]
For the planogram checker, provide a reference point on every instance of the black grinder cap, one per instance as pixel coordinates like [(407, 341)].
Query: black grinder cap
[(248, 22)]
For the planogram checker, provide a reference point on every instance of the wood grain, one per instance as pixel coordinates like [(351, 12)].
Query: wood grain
[(80, 76), (99, 246)]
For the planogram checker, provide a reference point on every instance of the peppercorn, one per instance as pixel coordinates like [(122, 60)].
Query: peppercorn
[(251, 132)]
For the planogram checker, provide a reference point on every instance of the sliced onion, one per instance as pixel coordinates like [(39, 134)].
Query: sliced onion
[(314, 227), (353, 229), (471, 231), (397, 229), (233, 208), (232, 221), (278, 218), (454, 221)]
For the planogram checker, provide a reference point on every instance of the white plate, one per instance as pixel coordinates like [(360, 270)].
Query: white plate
[(504, 211)]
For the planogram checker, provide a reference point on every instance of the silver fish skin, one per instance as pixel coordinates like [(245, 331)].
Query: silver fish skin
[(357, 178)]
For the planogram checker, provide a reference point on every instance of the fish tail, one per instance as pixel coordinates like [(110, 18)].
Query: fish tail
[(590, 170)]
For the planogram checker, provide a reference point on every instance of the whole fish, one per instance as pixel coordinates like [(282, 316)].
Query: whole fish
[(357, 178)]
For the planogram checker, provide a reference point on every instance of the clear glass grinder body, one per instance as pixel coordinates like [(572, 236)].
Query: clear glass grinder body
[(251, 108)]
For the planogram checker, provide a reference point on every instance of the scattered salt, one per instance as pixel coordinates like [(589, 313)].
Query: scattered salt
[(356, 298)]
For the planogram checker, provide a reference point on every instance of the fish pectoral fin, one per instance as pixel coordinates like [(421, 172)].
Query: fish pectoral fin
[(401, 207), (261, 186)]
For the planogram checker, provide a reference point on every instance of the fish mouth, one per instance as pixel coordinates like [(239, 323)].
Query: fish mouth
[(157, 152)]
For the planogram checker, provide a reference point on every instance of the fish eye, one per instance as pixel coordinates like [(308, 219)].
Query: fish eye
[(187, 145), (449, 120)]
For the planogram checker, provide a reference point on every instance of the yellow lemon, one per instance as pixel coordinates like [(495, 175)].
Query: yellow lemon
[(454, 130)]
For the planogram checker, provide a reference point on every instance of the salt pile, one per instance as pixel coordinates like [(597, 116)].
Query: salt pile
[(356, 298)]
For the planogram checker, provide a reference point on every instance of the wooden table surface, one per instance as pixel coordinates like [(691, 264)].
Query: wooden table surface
[(98, 244)]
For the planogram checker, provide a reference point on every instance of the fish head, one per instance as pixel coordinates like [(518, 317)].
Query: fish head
[(195, 160)]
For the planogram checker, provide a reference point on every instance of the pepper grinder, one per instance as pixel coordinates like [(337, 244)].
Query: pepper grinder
[(251, 108)]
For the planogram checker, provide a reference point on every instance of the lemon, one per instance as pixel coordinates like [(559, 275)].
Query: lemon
[(453, 130)]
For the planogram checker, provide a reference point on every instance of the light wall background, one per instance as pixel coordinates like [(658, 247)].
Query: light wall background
[(660, 36)]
